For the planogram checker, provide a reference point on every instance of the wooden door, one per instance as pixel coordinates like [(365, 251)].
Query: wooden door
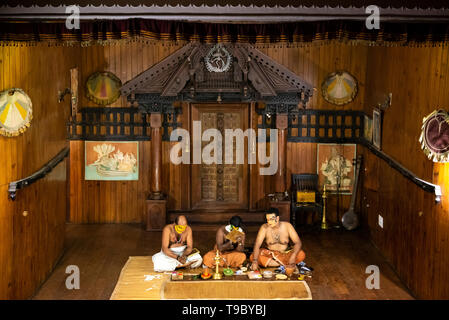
[(220, 186)]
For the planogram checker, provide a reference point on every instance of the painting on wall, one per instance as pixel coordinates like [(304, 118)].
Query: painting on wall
[(107, 160), (377, 128), (335, 167), (368, 129)]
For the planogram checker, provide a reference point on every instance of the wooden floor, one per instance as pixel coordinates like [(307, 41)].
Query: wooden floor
[(339, 259)]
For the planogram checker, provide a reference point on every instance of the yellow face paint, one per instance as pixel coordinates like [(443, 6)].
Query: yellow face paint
[(180, 229)]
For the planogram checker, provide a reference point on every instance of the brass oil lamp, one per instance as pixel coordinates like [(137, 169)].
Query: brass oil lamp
[(217, 274)]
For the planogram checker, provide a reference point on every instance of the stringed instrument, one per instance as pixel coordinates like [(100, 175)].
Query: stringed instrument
[(350, 219)]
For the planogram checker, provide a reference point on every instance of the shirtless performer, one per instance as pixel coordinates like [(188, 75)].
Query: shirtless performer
[(231, 252), (177, 245), (277, 235)]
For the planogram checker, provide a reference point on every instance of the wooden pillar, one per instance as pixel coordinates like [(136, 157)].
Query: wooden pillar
[(156, 156), (280, 179), (280, 182), (156, 204)]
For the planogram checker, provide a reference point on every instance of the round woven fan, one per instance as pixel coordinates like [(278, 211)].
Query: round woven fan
[(103, 87), (339, 88), (434, 136), (15, 112)]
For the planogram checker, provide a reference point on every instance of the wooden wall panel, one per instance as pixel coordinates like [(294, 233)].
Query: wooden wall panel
[(414, 238), (126, 61), (313, 63), (107, 201), (30, 246), (415, 234)]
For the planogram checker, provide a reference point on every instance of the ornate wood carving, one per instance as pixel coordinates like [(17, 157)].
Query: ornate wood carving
[(302, 87), (223, 185), (184, 74), (219, 182), (144, 82), (103, 124), (259, 80), (309, 125)]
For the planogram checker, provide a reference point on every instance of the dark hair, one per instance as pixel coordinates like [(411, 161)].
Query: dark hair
[(177, 219), (273, 210), (236, 221)]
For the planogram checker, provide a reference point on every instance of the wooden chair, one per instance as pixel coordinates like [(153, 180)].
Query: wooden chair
[(306, 196)]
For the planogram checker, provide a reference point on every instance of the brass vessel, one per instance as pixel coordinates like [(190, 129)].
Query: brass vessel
[(217, 274), (324, 225)]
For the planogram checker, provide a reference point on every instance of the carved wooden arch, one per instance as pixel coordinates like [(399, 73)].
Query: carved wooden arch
[(254, 76)]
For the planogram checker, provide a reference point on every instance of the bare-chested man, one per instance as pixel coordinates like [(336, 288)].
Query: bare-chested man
[(231, 252), (277, 235), (177, 246)]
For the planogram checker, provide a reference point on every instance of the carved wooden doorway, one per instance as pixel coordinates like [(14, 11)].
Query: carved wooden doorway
[(223, 186)]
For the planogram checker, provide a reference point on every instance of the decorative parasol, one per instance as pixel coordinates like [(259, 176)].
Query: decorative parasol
[(434, 136), (339, 88), (15, 112), (103, 87)]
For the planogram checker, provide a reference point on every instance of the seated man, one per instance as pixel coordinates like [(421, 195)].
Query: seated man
[(277, 235), (177, 245), (231, 253)]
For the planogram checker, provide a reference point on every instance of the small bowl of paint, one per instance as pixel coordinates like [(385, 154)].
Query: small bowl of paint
[(267, 274)]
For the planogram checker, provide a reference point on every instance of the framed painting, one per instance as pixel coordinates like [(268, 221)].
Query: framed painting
[(368, 129), (377, 128), (335, 167), (111, 160)]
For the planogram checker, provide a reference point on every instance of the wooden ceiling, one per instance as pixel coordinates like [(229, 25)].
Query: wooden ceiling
[(229, 11), (436, 4)]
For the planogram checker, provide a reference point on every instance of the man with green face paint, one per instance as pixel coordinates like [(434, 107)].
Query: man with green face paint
[(177, 246), (277, 235)]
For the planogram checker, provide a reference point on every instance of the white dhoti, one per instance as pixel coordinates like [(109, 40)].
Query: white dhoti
[(162, 262)]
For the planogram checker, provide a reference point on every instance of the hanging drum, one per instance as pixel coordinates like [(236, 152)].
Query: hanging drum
[(434, 136), (339, 88), (15, 112), (103, 87)]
